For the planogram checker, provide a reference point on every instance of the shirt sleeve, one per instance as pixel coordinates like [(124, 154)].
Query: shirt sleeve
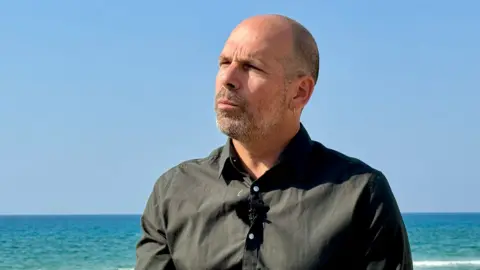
[(152, 252), (386, 244)]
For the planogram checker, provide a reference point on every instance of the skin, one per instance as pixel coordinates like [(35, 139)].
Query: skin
[(266, 101)]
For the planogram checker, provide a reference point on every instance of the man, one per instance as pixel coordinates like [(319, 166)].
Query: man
[(271, 198)]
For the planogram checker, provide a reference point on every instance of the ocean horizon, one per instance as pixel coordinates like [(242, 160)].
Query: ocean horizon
[(449, 240)]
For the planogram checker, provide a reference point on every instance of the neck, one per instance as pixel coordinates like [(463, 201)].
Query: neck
[(260, 156)]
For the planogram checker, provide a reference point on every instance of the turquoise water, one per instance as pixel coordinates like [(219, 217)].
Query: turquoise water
[(439, 241)]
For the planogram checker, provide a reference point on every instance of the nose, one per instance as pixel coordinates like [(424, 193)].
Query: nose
[(231, 86), (229, 77)]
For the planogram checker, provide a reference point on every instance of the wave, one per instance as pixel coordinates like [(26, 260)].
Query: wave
[(433, 264), (422, 264)]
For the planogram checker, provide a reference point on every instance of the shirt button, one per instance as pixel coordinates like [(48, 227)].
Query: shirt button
[(256, 188), (251, 236)]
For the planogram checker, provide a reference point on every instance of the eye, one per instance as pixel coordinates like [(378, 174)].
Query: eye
[(248, 66), (223, 63)]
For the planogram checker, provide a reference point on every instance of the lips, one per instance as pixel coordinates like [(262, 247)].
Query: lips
[(227, 102)]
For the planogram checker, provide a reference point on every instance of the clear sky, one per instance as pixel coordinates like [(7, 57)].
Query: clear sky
[(98, 98)]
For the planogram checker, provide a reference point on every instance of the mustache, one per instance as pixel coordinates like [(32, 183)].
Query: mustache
[(229, 95)]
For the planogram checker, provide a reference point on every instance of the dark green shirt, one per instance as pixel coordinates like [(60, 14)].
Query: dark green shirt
[(315, 209)]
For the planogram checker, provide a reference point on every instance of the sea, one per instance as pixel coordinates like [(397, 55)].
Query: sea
[(107, 242)]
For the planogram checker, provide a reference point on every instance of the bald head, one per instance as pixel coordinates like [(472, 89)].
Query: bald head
[(267, 72), (304, 56)]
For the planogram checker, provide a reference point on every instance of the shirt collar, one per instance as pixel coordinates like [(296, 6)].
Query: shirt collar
[(294, 154)]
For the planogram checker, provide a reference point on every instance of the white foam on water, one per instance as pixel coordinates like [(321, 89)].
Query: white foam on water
[(423, 264), (426, 264), (432, 264)]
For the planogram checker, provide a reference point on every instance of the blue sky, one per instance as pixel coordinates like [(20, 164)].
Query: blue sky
[(98, 98)]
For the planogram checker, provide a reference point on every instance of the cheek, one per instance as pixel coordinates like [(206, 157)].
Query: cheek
[(265, 101), (218, 82), (256, 94)]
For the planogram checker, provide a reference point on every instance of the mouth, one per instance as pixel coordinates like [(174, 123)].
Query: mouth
[(225, 103)]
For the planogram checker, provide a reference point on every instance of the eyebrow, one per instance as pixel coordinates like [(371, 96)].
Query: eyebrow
[(250, 58)]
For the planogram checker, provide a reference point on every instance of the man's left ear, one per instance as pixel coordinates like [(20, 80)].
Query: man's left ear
[(304, 91)]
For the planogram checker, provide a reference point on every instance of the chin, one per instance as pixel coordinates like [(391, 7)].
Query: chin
[(234, 129)]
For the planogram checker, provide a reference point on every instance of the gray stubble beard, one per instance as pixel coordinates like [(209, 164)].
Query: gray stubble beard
[(235, 127), (244, 128)]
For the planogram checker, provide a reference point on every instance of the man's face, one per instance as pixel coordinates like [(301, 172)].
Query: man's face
[(251, 86)]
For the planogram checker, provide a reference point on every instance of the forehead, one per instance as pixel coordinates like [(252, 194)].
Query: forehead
[(251, 42)]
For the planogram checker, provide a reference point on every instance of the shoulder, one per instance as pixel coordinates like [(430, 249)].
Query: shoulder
[(367, 185), (346, 167), (188, 170)]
